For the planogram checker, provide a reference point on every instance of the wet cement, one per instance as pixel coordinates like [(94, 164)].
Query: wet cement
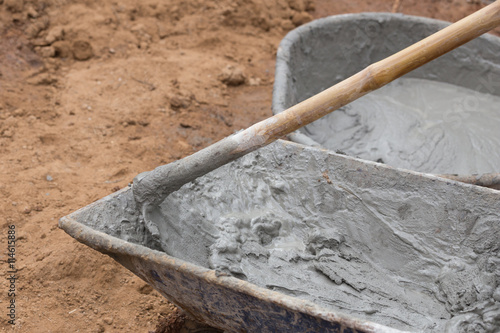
[(446, 124), (418, 124), (408, 252)]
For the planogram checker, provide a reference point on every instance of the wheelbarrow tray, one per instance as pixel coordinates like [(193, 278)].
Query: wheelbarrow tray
[(458, 218)]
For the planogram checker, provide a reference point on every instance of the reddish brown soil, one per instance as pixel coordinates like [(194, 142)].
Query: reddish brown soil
[(94, 92)]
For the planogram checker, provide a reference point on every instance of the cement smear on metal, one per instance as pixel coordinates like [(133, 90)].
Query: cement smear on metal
[(418, 124), (363, 240)]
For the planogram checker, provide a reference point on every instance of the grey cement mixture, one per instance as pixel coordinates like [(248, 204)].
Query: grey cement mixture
[(409, 254), (418, 124)]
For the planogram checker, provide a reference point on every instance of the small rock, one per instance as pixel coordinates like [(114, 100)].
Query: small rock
[(7, 133), (175, 102), (31, 12), (254, 81), (301, 18), (10, 122), (19, 112), (62, 49), (262, 22), (287, 25), (138, 28), (38, 25), (298, 5), (184, 145), (310, 5), (15, 6), (232, 76), (43, 79), (145, 289), (82, 50), (47, 52), (163, 30), (108, 320), (39, 42), (180, 101), (54, 34)]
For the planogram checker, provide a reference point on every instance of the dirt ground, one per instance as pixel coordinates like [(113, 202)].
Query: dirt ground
[(94, 92)]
